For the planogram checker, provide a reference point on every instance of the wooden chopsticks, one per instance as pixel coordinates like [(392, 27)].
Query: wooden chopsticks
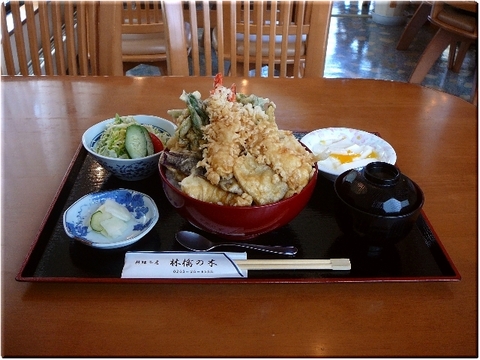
[(294, 264)]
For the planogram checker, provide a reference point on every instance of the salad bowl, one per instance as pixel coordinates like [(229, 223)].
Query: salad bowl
[(125, 168)]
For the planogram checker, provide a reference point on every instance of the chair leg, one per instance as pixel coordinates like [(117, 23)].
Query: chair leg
[(416, 22), (451, 54), (462, 52), (433, 51), (474, 94)]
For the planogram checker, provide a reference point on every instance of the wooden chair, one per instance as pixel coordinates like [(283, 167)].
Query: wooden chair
[(457, 22), (50, 38), (306, 22), (299, 30), (143, 35)]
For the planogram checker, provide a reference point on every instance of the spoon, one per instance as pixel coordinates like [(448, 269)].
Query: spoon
[(197, 242)]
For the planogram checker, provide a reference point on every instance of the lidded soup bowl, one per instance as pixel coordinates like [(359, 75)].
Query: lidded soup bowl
[(377, 204)]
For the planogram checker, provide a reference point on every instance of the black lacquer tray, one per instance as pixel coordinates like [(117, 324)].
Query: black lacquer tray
[(54, 257)]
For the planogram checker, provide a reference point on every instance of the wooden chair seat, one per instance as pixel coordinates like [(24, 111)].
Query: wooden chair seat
[(144, 44), (461, 22), (290, 49)]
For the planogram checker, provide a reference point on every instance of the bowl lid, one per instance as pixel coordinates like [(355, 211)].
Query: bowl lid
[(378, 188)]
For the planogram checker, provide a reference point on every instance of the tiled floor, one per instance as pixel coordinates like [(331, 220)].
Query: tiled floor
[(358, 47)]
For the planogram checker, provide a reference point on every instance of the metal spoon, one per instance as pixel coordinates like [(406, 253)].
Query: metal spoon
[(197, 242)]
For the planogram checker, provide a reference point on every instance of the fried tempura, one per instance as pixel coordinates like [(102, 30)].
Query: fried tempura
[(224, 141), (201, 189), (285, 155), (260, 181), (244, 154)]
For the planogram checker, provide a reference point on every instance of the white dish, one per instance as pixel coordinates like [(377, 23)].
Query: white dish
[(343, 149), (76, 218)]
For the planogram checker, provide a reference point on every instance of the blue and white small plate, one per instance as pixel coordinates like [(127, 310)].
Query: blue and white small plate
[(76, 219)]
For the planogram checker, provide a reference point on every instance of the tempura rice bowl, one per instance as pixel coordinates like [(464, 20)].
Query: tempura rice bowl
[(236, 223)]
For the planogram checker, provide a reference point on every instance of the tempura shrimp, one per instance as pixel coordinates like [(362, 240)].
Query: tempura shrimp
[(218, 83)]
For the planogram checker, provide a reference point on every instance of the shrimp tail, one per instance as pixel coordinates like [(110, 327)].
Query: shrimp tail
[(217, 82), (233, 95)]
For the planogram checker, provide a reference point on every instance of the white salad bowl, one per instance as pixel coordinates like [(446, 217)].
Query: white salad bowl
[(76, 219), (341, 149), (127, 169)]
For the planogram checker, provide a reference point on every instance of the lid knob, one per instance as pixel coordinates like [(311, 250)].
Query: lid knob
[(382, 174)]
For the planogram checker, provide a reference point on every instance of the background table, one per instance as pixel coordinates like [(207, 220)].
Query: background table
[(434, 134)]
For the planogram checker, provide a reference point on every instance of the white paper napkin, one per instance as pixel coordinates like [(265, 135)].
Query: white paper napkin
[(183, 265)]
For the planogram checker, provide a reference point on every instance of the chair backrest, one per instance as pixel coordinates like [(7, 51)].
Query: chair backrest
[(201, 17), (307, 22), (177, 52), (298, 30), (142, 17), (109, 27), (50, 38)]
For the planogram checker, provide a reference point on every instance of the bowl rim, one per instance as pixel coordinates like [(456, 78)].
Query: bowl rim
[(214, 205), (331, 174), (107, 121)]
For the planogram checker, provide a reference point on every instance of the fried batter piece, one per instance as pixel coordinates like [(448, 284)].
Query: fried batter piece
[(201, 189), (260, 181), (231, 122), (280, 150), (224, 143)]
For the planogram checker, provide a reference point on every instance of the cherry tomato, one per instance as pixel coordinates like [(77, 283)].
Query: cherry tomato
[(157, 143)]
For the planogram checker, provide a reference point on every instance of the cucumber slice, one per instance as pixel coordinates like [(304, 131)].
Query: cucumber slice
[(148, 140), (97, 218), (136, 141)]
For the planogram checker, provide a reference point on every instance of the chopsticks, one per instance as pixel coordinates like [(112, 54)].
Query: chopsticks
[(294, 264)]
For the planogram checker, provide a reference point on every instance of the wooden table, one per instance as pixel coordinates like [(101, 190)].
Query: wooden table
[(434, 134)]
